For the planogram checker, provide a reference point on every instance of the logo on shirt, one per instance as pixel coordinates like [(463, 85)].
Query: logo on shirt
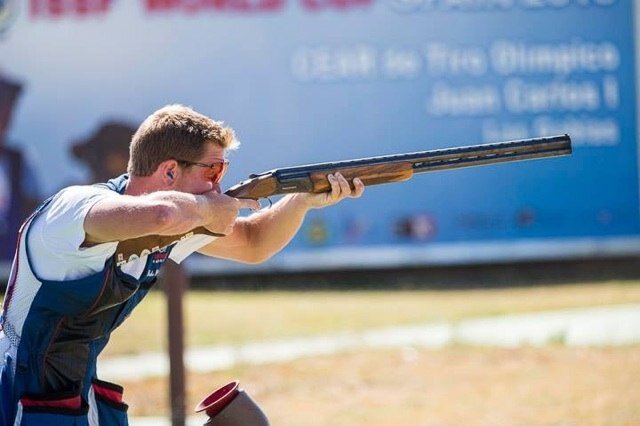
[(130, 250), (156, 260)]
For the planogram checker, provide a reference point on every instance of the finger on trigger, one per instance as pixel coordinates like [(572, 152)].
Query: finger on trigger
[(249, 203)]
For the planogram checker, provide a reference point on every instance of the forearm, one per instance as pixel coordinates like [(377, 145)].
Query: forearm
[(159, 213), (184, 211), (270, 230)]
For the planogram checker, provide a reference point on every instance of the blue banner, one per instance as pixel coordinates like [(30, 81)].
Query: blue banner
[(305, 81)]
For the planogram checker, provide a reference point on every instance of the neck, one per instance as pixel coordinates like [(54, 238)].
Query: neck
[(138, 185)]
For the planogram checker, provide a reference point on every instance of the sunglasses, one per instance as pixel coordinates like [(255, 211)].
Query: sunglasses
[(212, 172)]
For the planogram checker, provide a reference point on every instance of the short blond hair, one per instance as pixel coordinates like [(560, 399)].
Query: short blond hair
[(178, 132)]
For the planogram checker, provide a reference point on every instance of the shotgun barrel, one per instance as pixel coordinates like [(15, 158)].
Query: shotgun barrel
[(398, 167)]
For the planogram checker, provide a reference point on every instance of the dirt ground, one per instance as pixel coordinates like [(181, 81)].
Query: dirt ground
[(552, 385)]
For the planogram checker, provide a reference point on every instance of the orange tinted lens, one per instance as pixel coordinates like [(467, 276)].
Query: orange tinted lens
[(216, 172)]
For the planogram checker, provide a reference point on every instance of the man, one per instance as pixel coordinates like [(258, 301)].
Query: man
[(67, 292)]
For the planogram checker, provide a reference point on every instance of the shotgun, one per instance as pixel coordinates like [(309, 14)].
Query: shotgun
[(312, 178)]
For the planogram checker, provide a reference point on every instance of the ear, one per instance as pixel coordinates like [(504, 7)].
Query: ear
[(168, 171)]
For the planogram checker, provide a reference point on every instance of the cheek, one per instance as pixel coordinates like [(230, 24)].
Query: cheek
[(201, 187), (194, 184)]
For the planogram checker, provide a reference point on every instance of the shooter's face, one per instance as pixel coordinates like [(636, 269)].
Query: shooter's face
[(196, 179)]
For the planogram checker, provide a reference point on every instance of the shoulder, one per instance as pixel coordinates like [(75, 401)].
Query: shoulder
[(78, 193), (84, 190), (75, 201), (56, 234)]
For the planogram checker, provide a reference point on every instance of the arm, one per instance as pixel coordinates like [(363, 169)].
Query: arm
[(263, 234), (160, 213)]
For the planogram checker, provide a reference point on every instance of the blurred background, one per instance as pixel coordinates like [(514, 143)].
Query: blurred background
[(498, 295)]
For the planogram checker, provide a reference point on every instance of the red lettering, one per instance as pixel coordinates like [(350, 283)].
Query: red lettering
[(198, 6), (35, 7), (56, 7), (239, 5), (315, 5), (311, 4), (213, 5), (159, 5), (272, 5), (103, 5), (59, 8), (82, 7)]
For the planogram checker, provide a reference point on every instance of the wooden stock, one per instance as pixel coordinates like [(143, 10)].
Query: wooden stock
[(370, 175), (260, 187)]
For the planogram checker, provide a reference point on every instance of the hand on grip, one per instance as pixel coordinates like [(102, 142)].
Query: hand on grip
[(224, 210), (339, 189)]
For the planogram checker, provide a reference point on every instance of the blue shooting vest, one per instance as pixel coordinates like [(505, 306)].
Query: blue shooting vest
[(67, 325)]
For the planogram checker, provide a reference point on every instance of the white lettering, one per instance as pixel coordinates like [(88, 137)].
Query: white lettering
[(464, 100), (409, 6), (509, 57), (522, 97), (145, 252), (401, 63), (446, 60), (611, 92), (418, 6), (538, 4), (544, 3), (587, 131), (333, 63)]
